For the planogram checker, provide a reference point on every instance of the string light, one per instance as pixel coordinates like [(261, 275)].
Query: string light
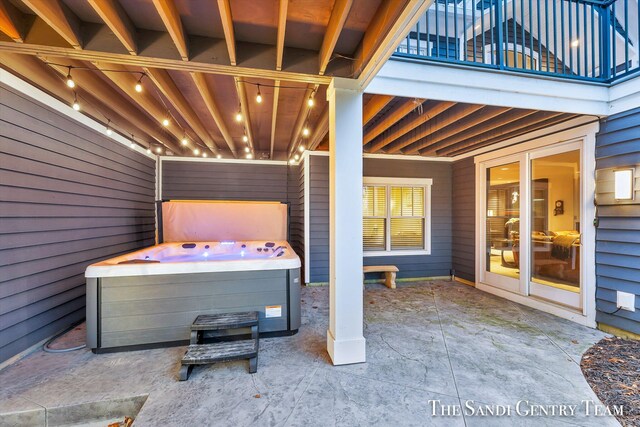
[(70, 81), (185, 141), (165, 122), (138, 86), (247, 149), (196, 151), (245, 138), (75, 105), (148, 150), (296, 157), (301, 148), (310, 101), (249, 156), (291, 161), (204, 155), (219, 156), (159, 150), (259, 96), (133, 145), (108, 131), (238, 116), (305, 131)]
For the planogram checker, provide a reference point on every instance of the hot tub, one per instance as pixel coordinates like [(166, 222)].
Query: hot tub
[(150, 297)]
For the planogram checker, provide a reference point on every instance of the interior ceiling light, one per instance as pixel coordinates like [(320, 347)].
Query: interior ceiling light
[(70, 81), (165, 122), (259, 96)]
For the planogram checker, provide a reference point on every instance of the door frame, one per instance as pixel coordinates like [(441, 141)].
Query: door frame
[(586, 135)]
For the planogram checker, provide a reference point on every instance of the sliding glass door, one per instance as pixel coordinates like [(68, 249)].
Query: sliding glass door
[(531, 219)]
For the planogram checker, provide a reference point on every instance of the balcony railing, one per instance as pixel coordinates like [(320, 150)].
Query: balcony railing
[(578, 39)]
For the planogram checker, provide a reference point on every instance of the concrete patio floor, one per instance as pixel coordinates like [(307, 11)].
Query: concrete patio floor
[(426, 341)]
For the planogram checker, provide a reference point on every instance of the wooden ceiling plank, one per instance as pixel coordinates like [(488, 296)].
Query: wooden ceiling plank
[(337, 19), (482, 115), (400, 111), (384, 18), (321, 129), (167, 86), (263, 70), (282, 26), (89, 82), (58, 16), (503, 132), (274, 117), (374, 106), (207, 95), (227, 26), (112, 13), (430, 113), (489, 125), (171, 19), (9, 17), (462, 112), (244, 109), (303, 113)]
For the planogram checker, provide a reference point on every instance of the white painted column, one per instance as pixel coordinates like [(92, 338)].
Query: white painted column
[(345, 341)]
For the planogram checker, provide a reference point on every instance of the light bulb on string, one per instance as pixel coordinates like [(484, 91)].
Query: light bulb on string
[(249, 156), (185, 141), (259, 96), (310, 100), (296, 157), (204, 155), (138, 86), (301, 148), (219, 156), (159, 150), (245, 138), (108, 130), (247, 149), (291, 161), (148, 150), (76, 105), (196, 151), (70, 81), (165, 122), (305, 131)]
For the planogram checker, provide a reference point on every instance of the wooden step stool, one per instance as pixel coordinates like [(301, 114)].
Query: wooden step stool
[(201, 354)]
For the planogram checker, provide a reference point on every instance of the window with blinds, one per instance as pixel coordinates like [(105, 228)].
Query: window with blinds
[(394, 216)]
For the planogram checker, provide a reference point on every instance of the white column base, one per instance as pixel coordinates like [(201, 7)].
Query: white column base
[(346, 352)]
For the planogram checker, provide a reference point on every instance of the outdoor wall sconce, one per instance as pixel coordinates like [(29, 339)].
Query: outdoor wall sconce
[(623, 184)]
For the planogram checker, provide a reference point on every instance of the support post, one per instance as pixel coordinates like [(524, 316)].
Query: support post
[(345, 340)]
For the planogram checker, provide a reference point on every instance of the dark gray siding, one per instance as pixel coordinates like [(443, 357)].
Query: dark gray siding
[(295, 193), (69, 197), (223, 181), (618, 234), (464, 218), (436, 264)]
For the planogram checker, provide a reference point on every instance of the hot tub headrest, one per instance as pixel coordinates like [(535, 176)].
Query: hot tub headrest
[(189, 221)]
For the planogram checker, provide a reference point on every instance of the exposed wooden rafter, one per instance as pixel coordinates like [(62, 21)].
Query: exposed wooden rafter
[(283, 6), (303, 114), (227, 26), (244, 109), (58, 16), (374, 106), (171, 19), (166, 85), (207, 95), (400, 111), (486, 113), (9, 25), (337, 19), (321, 129), (274, 117), (454, 116), (112, 13), (537, 120), (432, 111)]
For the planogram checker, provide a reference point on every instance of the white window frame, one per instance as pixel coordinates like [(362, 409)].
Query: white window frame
[(426, 183)]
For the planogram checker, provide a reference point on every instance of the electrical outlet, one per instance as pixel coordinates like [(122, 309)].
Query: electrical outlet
[(626, 301)]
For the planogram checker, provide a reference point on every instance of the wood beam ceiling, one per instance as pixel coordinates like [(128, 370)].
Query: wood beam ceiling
[(114, 16), (227, 26), (374, 106), (274, 117), (303, 115), (400, 111), (321, 130), (283, 6), (58, 16), (171, 19), (166, 85), (207, 95), (244, 109), (432, 111), (9, 21), (337, 19)]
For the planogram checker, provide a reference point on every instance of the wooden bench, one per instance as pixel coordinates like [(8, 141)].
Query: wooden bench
[(389, 273)]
